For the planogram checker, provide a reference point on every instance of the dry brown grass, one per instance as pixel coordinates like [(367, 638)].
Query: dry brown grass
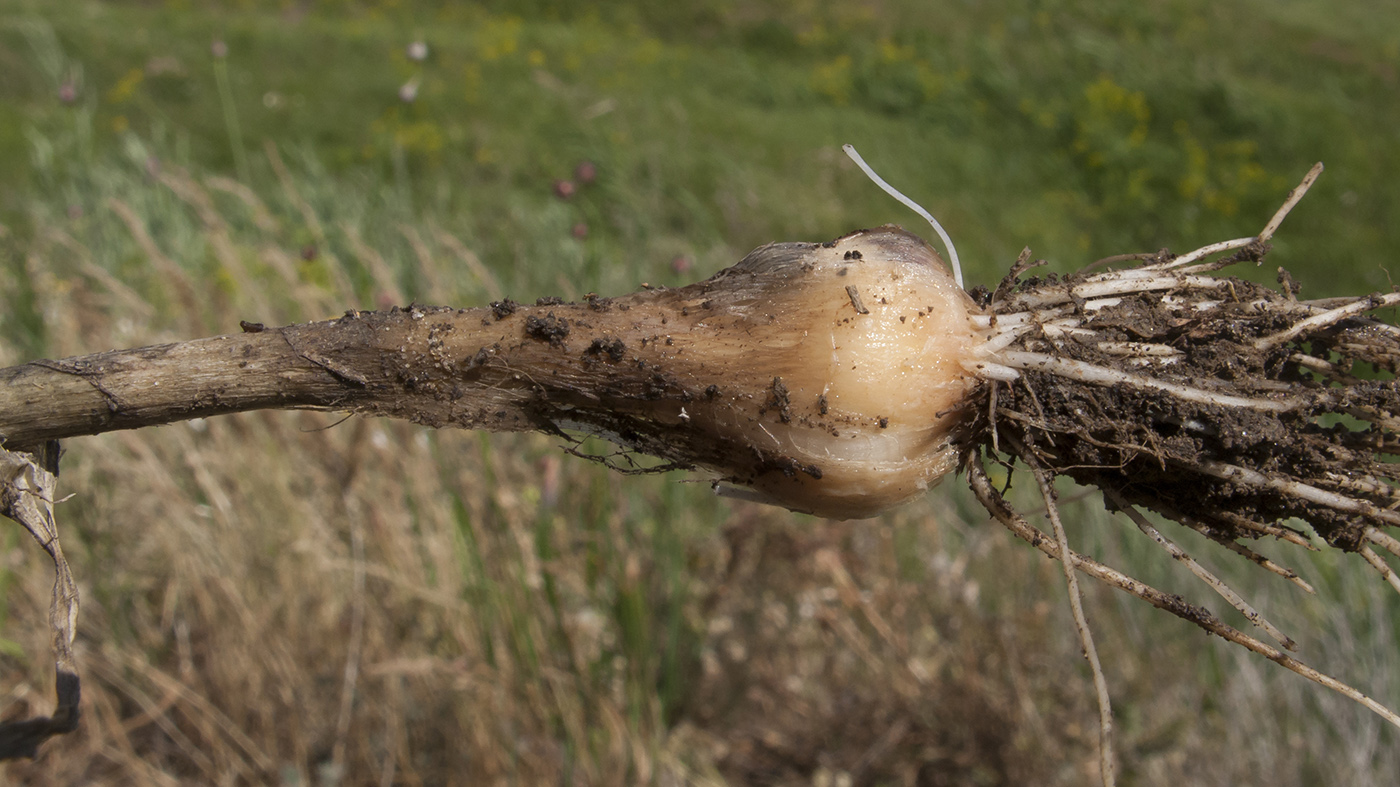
[(278, 598)]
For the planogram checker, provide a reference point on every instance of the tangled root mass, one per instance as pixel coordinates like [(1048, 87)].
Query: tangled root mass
[(1222, 404)]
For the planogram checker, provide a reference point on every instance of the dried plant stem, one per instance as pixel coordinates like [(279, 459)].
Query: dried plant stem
[(27, 483), (355, 643)]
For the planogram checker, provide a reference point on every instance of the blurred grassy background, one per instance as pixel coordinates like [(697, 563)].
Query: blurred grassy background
[(275, 598)]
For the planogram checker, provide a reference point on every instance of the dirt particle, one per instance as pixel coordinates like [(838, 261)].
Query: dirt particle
[(503, 309), (884, 422), (790, 467), (614, 349), (549, 300), (547, 329), (853, 254), (779, 400)]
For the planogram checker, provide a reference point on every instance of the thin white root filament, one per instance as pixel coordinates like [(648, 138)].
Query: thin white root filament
[(1181, 556), (912, 205)]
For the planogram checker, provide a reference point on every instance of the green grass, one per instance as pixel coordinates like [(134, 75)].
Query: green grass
[(527, 617)]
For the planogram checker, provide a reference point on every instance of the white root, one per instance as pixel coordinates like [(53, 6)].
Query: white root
[(1366, 485), (1327, 318), (1179, 554), (1269, 565), (1298, 489), (987, 370), (1099, 375), (1281, 533), (1203, 252), (1124, 282), (1263, 237), (1002, 512), (1321, 366), (1002, 340), (1139, 349), (1381, 566), (1383, 539), (1293, 197)]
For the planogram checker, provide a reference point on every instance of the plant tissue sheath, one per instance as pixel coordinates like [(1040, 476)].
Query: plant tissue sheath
[(826, 378)]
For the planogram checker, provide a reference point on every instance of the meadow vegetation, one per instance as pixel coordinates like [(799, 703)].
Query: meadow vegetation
[(288, 598)]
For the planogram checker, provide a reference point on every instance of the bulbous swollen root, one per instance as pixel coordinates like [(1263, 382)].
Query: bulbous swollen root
[(840, 373), (824, 378)]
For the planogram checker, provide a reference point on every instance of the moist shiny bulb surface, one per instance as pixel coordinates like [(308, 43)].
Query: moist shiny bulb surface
[(855, 360)]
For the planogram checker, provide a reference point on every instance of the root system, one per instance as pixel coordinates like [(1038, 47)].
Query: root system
[(1230, 407), (1235, 409)]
